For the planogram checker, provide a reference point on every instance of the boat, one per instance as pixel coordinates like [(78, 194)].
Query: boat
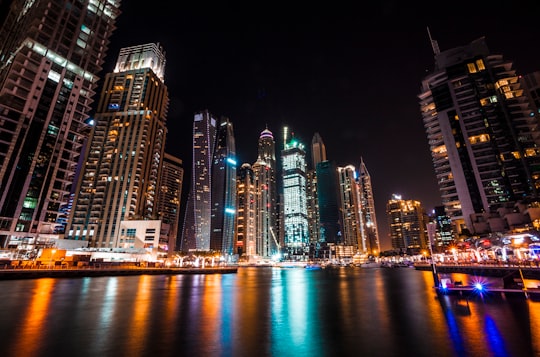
[(313, 266)]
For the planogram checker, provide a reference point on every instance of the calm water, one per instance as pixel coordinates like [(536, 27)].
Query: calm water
[(261, 312)]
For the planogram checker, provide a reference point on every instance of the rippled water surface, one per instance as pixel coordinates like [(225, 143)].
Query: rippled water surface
[(261, 312)]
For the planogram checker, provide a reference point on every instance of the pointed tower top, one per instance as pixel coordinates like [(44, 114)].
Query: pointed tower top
[(434, 44)]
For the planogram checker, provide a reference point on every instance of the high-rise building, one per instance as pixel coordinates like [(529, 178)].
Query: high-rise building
[(531, 85), (170, 196), (318, 150), (407, 221), (264, 170), (350, 208), (444, 235), (329, 205), (295, 218), (318, 154), (196, 228), (246, 213), (373, 243), (482, 137), (50, 55), (223, 190), (121, 174)]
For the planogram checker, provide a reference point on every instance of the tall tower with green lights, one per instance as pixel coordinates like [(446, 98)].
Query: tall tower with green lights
[(295, 215)]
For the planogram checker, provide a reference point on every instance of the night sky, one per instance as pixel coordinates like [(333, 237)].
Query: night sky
[(351, 73)]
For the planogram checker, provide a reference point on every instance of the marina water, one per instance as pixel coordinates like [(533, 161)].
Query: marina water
[(262, 312)]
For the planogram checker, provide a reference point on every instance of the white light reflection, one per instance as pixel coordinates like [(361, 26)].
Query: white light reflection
[(108, 305)]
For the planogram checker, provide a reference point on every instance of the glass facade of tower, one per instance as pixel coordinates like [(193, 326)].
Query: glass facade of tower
[(246, 214), (329, 206), (170, 195), (196, 230), (351, 210), (373, 244), (50, 54), (296, 228), (223, 187), (120, 177), (265, 180), (483, 140)]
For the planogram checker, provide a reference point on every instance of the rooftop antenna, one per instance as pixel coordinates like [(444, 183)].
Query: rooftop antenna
[(434, 43)]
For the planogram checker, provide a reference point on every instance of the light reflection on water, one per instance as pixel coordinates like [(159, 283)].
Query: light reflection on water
[(261, 312)]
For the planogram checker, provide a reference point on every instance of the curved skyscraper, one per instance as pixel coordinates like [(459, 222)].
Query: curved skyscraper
[(196, 230), (223, 186)]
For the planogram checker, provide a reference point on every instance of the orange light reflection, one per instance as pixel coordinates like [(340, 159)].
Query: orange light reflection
[(28, 341)]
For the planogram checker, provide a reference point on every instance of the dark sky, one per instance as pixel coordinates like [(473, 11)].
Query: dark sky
[(351, 73)]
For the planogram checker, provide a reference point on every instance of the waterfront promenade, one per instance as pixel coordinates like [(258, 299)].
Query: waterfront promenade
[(8, 273)]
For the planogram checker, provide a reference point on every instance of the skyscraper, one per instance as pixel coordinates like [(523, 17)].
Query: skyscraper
[(318, 150), (407, 221), (295, 225), (483, 140), (318, 154), (170, 196), (350, 207), (196, 229), (373, 243), (120, 177), (264, 170), (246, 213), (223, 190), (50, 54), (329, 203)]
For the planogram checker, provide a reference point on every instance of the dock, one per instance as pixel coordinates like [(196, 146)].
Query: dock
[(512, 279)]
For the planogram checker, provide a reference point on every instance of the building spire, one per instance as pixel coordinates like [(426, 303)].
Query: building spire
[(434, 43)]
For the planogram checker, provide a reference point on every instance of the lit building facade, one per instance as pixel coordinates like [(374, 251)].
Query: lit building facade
[(50, 54), (407, 221), (351, 210), (318, 154), (170, 196), (246, 214), (482, 137), (223, 190), (264, 170), (295, 218), (196, 228), (373, 244), (121, 174), (444, 234)]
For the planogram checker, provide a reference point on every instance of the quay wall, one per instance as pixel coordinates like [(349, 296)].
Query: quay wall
[(7, 274)]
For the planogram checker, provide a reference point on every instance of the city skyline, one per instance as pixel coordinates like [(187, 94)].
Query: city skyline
[(352, 76)]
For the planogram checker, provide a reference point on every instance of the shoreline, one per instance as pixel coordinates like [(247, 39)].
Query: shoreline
[(13, 274)]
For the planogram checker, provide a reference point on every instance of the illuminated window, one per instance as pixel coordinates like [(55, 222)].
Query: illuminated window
[(480, 65), (471, 67)]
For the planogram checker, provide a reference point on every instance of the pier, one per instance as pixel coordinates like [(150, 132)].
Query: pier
[(513, 279)]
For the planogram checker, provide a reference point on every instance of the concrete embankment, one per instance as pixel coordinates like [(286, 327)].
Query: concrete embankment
[(7, 274)]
